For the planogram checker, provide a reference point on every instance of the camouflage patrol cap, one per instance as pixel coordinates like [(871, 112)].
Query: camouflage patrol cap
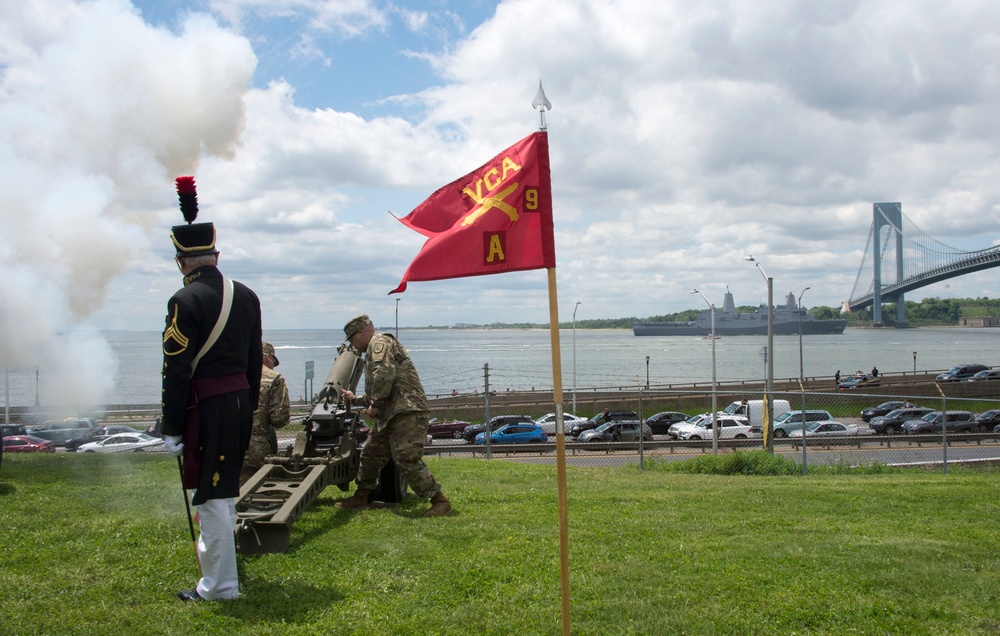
[(356, 324), (269, 351)]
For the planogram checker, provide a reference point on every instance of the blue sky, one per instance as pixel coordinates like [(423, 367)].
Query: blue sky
[(684, 135), (357, 64)]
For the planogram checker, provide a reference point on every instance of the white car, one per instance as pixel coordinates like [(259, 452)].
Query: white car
[(123, 443), (730, 427), (695, 420), (831, 429), (548, 422)]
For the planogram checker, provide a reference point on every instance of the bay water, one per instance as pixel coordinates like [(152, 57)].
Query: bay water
[(520, 359)]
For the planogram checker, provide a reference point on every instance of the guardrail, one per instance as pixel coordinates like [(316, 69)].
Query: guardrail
[(674, 446)]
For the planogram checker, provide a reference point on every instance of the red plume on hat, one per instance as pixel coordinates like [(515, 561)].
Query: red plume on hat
[(188, 197), (193, 239)]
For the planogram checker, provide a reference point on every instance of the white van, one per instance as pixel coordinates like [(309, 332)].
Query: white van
[(753, 410)]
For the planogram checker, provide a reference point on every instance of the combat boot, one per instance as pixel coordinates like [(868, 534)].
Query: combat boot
[(440, 506), (356, 501)]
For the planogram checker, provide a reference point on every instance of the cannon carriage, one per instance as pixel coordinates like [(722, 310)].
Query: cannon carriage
[(325, 452)]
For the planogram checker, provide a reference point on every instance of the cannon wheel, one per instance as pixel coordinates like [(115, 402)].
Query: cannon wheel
[(391, 485)]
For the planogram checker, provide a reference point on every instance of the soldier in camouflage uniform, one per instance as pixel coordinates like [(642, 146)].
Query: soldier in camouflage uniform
[(396, 402), (272, 413)]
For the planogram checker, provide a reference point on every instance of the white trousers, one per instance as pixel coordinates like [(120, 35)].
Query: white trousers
[(217, 549)]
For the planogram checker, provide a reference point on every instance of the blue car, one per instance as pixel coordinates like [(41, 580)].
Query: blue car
[(514, 434)]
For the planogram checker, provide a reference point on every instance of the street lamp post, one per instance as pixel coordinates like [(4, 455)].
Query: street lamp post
[(801, 375), (802, 385), (914, 361), (577, 306), (715, 408), (769, 379), (647, 373)]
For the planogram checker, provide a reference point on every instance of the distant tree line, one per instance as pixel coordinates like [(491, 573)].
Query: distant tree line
[(935, 311), (928, 312)]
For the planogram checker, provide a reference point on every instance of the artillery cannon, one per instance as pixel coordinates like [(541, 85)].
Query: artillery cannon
[(325, 452)]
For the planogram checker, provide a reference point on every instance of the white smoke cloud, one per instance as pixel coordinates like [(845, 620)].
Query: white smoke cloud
[(97, 109)]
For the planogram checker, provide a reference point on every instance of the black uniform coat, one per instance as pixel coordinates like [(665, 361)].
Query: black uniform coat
[(226, 420)]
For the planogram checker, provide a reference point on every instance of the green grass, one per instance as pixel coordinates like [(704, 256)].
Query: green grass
[(99, 545)]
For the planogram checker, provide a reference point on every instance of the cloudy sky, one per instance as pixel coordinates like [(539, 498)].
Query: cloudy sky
[(684, 135)]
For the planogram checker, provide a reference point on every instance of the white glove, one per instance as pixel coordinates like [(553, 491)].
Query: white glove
[(172, 444)]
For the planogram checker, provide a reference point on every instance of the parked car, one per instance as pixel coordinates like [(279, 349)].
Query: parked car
[(601, 418), (61, 431), (12, 429), (982, 376), (675, 429), (27, 444), (859, 382), (548, 422), (987, 420), (123, 442), (730, 427), (960, 372), (453, 428), (883, 408), (471, 431), (955, 421), (832, 429), (892, 422), (792, 421), (620, 431), (98, 434), (660, 423), (523, 433)]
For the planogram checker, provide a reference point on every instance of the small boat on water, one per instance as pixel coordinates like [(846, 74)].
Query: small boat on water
[(729, 322)]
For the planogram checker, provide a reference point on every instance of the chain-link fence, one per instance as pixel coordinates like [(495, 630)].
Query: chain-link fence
[(895, 424)]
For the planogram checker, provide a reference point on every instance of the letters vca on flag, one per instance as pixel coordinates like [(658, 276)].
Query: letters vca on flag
[(497, 218)]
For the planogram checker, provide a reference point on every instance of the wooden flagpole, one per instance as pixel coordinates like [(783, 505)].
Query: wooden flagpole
[(542, 104), (560, 449)]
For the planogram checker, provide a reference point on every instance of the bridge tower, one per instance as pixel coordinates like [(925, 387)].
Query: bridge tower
[(888, 215)]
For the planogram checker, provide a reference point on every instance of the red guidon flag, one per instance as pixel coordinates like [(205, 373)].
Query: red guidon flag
[(497, 218)]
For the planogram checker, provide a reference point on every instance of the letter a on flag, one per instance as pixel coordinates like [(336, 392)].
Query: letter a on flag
[(497, 218)]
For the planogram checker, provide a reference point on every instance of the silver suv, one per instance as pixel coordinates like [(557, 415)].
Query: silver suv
[(960, 372), (954, 421)]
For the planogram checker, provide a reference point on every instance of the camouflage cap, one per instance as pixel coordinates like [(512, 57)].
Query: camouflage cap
[(356, 324), (269, 351)]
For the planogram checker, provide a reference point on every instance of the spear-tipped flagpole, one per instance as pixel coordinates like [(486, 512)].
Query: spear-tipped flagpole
[(541, 103)]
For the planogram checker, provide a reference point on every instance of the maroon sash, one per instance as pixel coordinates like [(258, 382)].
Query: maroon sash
[(203, 388)]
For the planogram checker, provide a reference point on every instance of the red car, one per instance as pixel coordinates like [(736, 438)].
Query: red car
[(452, 429), (27, 444)]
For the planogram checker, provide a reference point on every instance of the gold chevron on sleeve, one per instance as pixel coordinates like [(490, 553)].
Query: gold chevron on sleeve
[(173, 333)]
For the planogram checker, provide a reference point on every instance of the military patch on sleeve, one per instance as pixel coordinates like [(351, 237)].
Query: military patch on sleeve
[(378, 349), (174, 342)]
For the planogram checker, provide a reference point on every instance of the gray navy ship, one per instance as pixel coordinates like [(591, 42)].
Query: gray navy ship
[(729, 322)]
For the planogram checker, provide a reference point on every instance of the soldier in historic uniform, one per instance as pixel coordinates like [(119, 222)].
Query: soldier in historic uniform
[(395, 400), (211, 378), (272, 413)]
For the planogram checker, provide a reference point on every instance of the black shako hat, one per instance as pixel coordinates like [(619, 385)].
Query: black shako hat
[(193, 239)]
